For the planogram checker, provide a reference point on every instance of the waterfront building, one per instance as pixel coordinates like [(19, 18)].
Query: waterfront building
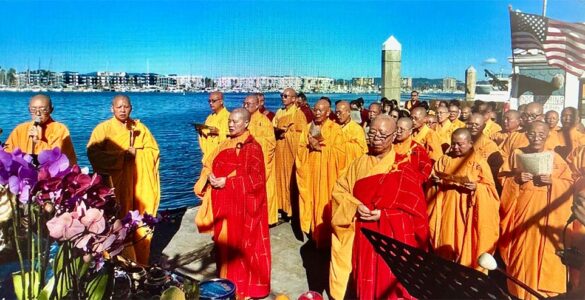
[(449, 84)]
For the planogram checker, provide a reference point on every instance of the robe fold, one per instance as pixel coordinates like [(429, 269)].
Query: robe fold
[(261, 129), (491, 127), (392, 187), (416, 154), (429, 139), (208, 142), (136, 181), (458, 124), (499, 137), (464, 224), (292, 121), (568, 141), (238, 214), (444, 131), (316, 173), (354, 142), (532, 221), (54, 134)]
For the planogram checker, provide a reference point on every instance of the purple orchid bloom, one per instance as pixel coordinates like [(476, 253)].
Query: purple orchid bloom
[(22, 183), (132, 218), (54, 162), (150, 220), (5, 163)]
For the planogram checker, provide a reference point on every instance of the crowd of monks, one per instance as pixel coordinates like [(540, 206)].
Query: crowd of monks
[(447, 179), (120, 149)]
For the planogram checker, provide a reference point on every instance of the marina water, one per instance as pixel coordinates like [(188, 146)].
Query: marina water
[(167, 115)]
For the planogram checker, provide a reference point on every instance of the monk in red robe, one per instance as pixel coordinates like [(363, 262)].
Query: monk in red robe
[(362, 199), (233, 188)]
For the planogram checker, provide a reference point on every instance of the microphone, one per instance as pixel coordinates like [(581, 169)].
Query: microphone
[(487, 261), (37, 121)]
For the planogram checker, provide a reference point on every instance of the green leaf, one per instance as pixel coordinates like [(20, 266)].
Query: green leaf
[(17, 281), (173, 293), (62, 269), (101, 286)]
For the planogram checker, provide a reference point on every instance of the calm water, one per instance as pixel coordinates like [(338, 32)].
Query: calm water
[(168, 117)]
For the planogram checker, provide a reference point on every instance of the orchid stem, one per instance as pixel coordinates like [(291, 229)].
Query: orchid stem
[(15, 226)]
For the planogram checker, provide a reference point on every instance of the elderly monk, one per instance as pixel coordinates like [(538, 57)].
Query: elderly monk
[(406, 147), (362, 199), (375, 109), (535, 207), (353, 134), (124, 149), (454, 113), (261, 129), (444, 127), (431, 121), (42, 133), (288, 124), (232, 186), (319, 162), (551, 118), (463, 215), (511, 124), (482, 145), (465, 114), (570, 136), (425, 136), (216, 125)]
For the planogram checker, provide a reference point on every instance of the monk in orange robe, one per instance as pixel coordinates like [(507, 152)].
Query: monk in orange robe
[(454, 113), (42, 133), (444, 127), (319, 163), (406, 148), (353, 134), (232, 186), (463, 215), (534, 210), (570, 136), (362, 200), (124, 149), (261, 129), (511, 124), (288, 124), (216, 127), (425, 136)]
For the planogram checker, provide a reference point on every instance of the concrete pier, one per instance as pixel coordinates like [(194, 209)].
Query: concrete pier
[(470, 81), (296, 265), (391, 61)]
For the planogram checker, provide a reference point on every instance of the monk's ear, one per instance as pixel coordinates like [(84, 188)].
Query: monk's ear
[(112, 109)]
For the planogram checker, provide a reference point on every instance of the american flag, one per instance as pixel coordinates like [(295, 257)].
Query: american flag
[(563, 43)]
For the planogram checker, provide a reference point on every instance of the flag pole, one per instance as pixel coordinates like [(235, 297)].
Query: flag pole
[(544, 8), (514, 75)]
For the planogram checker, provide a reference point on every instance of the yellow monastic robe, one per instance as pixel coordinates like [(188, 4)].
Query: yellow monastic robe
[(354, 142), (444, 131), (293, 121), (499, 137), (261, 129), (208, 142), (532, 221), (55, 134), (568, 141), (430, 141), (136, 181), (464, 224), (316, 173), (458, 124), (491, 127), (344, 207)]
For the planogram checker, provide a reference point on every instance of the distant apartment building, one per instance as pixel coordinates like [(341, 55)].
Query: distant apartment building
[(317, 84), (406, 83), (70, 79), (365, 82), (189, 82), (449, 84)]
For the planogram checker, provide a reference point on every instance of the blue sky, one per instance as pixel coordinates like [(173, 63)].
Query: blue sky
[(340, 39)]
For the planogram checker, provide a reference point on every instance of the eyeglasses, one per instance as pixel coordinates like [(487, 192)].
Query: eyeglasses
[(285, 96), (213, 100), (373, 135), (248, 104), (534, 135), (42, 110), (531, 117), (442, 112)]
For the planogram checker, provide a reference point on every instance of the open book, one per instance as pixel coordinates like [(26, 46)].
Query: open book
[(536, 163)]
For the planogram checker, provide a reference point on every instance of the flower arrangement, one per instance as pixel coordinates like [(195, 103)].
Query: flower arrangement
[(53, 202)]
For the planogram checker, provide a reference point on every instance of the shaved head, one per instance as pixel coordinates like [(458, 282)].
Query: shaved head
[(403, 129), (512, 120), (537, 134), (242, 113), (121, 108), (461, 142), (418, 117), (343, 112), (551, 118), (42, 98), (381, 135), (476, 124), (569, 117), (238, 121), (321, 111)]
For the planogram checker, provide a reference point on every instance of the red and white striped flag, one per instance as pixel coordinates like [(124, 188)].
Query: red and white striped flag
[(563, 43)]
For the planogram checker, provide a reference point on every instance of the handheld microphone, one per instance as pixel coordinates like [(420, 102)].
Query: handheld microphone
[(37, 121)]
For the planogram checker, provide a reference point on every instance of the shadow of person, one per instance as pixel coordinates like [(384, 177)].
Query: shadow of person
[(164, 232), (316, 264)]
